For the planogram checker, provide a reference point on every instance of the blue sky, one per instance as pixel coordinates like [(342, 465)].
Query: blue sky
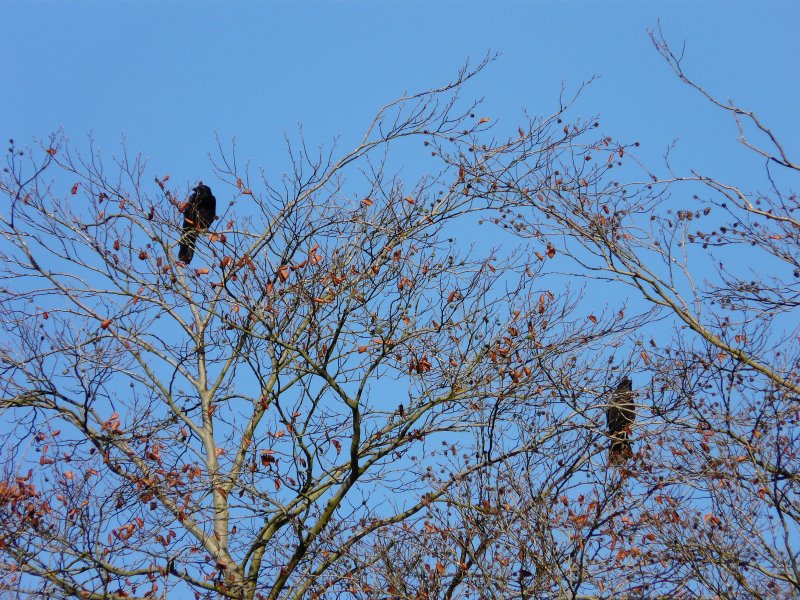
[(170, 74)]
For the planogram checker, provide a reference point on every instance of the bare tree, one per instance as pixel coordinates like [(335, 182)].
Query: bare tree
[(711, 499), (344, 397), (332, 373)]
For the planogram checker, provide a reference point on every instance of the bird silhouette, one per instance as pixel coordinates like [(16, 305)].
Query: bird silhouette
[(620, 415), (198, 215)]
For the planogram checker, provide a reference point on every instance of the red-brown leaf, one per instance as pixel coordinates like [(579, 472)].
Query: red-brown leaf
[(283, 273), (313, 257), (423, 365)]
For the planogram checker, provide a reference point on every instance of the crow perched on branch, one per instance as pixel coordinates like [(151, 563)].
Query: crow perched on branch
[(198, 215), (620, 415)]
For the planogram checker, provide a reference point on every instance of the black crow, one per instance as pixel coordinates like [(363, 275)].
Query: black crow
[(198, 215), (620, 414)]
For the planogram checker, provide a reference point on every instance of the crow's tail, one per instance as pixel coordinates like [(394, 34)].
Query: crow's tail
[(620, 450), (188, 240)]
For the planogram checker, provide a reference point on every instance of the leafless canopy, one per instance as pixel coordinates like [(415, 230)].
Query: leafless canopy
[(345, 397)]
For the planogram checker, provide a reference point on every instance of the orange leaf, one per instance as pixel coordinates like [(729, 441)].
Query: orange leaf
[(409, 199), (51, 151), (300, 265), (367, 202), (239, 183), (203, 271), (74, 189), (551, 252), (104, 324), (593, 319), (283, 273), (483, 120), (313, 257)]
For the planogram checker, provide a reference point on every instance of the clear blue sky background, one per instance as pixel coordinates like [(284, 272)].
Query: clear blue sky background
[(169, 74)]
